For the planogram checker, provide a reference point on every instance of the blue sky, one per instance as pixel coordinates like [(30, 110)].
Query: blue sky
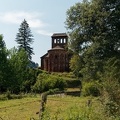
[(44, 17)]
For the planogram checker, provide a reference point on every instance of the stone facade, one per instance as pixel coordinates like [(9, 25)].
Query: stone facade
[(57, 58)]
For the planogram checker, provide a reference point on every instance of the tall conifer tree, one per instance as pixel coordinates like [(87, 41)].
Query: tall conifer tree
[(25, 38)]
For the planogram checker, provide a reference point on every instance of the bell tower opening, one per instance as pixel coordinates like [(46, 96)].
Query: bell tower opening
[(59, 39)]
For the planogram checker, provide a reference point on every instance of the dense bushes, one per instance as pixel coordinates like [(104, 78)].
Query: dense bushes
[(90, 88), (30, 79), (111, 97), (110, 87), (46, 82), (9, 96)]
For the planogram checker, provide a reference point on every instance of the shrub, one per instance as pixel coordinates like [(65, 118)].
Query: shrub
[(111, 97), (39, 85), (46, 82), (90, 89), (8, 95)]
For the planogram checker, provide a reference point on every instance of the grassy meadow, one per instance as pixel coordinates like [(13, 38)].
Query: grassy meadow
[(19, 109), (58, 107)]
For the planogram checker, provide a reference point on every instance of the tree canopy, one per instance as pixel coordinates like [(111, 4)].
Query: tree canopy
[(3, 64), (94, 32)]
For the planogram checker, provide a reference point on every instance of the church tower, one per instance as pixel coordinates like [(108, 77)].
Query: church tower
[(57, 58), (59, 39)]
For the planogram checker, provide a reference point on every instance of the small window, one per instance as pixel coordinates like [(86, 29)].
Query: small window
[(64, 40), (54, 40)]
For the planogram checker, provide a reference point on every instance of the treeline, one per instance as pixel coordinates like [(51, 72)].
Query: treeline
[(14, 69), (18, 73), (16, 63), (94, 30)]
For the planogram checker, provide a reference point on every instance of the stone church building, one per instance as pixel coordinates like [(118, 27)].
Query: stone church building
[(57, 58)]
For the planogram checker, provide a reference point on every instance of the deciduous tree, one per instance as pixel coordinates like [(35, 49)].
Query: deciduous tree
[(94, 33), (94, 30), (19, 65), (3, 65)]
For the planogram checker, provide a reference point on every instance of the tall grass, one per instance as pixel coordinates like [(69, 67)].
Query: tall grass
[(57, 108), (75, 109)]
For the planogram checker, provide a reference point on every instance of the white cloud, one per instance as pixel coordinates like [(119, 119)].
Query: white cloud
[(32, 18), (42, 32)]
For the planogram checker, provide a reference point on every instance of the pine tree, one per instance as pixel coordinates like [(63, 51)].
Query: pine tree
[(25, 38)]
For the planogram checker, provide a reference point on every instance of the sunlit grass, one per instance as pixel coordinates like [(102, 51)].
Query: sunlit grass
[(25, 108), (74, 108), (20, 109), (58, 107)]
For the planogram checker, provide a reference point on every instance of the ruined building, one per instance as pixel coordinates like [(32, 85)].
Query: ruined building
[(57, 58)]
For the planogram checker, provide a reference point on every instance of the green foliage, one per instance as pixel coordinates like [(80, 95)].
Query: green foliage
[(45, 82), (15, 74), (39, 85), (4, 65), (111, 96), (80, 21), (65, 75), (25, 38), (110, 86), (19, 65), (73, 83), (57, 108), (90, 89), (75, 65), (31, 78), (75, 111), (112, 68), (95, 36), (8, 95), (22, 76)]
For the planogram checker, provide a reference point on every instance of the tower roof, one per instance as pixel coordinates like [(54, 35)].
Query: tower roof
[(59, 34)]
